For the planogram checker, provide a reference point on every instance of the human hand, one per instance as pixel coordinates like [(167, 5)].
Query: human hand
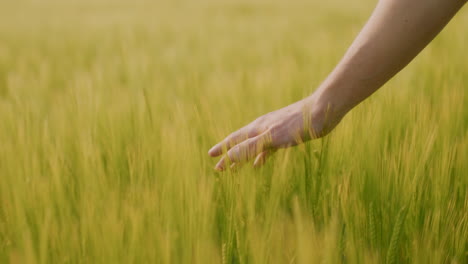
[(286, 127)]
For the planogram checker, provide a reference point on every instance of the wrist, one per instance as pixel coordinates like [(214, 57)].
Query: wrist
[(326, 111)]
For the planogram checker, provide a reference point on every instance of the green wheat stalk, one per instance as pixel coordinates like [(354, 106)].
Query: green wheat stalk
[(373, 239), (392, 250)]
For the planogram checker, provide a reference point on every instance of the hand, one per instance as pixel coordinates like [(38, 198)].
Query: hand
[(286, 127), (395, 33)]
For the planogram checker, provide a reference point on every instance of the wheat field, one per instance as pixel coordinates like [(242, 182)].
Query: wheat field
[(108, 109)]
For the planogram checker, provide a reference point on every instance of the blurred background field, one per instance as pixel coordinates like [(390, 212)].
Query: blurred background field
[(108, 109)]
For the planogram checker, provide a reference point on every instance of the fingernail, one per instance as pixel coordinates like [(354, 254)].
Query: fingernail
[(257, 165), (234, 167), (257, 162), (219, 166), (211, 151)]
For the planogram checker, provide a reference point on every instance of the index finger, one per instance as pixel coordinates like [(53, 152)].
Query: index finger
[(230, 141)]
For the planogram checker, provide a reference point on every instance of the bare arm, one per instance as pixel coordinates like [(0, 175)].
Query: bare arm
[(394, 34)]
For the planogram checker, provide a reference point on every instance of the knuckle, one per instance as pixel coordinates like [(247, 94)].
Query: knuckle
[(235, 153), (259, 119), (231, 136)]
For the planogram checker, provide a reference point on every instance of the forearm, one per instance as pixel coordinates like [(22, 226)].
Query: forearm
[(395, 33)]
